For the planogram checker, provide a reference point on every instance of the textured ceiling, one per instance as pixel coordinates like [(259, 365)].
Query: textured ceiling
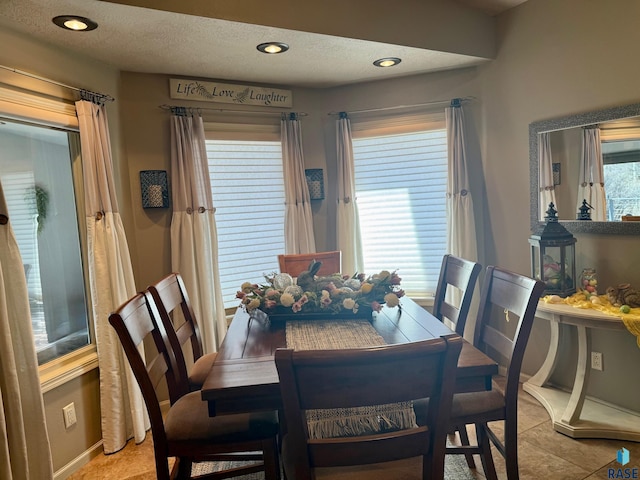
[(147, 40)]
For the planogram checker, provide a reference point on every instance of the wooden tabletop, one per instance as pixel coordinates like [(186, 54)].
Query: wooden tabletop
[(244, 376)]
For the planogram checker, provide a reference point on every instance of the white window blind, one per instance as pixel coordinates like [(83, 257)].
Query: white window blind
[(248, 193), (401, 184)]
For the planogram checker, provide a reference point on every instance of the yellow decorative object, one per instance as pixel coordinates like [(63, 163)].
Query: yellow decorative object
[(582, 299)]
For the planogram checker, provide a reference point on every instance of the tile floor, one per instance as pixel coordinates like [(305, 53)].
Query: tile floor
[(544, 454)]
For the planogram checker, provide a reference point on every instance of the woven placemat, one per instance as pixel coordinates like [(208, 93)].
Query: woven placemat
[(331, 334)]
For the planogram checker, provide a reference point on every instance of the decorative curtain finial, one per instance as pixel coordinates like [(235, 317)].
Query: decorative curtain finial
[(93, 97), (179, 111)]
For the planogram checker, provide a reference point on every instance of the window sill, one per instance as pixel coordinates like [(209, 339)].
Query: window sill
[(424, 302), (68, 367)]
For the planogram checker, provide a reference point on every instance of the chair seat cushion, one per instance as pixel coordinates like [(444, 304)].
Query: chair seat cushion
[(188, 419), (486, 403), (200, 370)]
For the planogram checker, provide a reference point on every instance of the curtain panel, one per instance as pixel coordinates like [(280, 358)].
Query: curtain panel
[(111, 282), (547, 193), (461, 227), (591, 180), (24, 442), (194, 239), (298, 223), (348, 222)]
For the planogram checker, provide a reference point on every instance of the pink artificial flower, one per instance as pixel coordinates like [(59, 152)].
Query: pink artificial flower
[(303, 299), (361, 277), (270, 303), (330, 287), (395, 279), (296, 307), (240, 294), (376, 306), (399, 293)]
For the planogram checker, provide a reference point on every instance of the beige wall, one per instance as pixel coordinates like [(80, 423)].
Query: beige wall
[(554, 59)]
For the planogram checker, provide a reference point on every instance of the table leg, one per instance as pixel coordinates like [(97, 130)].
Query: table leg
[(574, 407), (544, 373)]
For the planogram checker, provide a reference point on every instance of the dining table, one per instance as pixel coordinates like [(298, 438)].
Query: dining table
[(244, 378)]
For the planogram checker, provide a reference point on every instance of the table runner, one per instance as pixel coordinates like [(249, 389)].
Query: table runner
[(631, 320), (332, 335)]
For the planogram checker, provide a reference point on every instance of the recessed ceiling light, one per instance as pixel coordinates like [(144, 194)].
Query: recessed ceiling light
[(75, 23), (273, 47), (387, 62)]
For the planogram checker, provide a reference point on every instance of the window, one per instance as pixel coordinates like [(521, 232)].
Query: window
[(401, 180), (622, 177), (38, 183), (248, 194)]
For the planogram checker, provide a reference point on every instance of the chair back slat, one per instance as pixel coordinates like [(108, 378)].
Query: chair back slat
[(295, 264), (396, 446), (325, 379), (457, 276), (498, 341)]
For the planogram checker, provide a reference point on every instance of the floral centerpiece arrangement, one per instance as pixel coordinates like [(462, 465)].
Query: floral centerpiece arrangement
[(333, 294)]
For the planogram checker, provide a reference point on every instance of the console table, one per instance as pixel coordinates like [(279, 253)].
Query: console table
[(571, 412)]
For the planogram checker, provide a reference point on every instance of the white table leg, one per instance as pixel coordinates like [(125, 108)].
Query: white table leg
[(574, 407), (542, 375)]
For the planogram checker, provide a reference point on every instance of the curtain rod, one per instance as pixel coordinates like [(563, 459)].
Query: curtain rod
[(225, 110), (102, 96), (396, 107)]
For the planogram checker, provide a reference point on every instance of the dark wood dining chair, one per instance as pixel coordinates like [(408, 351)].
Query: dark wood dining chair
[(294, 264), (187, 432), (508, 305), (176, 312), (327, 379), (461, 275)]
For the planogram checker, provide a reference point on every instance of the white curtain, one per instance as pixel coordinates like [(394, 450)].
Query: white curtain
[(194, 239), (348, 222), (24, 441), (461, 226), (547, 193), (298, 222), (111, 280), (591, 181)]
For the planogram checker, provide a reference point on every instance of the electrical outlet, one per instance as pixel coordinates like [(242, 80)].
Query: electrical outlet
[(69, 413), (596, 360)]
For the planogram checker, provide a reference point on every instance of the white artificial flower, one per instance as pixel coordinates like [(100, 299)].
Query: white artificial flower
[(286, 299), (349, 303)]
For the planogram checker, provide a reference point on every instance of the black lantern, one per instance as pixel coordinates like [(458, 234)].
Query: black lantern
[(553, 256)]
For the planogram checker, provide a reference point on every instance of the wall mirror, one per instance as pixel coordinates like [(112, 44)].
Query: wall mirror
[(618, 137)]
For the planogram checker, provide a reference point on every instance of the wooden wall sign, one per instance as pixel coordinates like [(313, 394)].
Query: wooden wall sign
[(229, 93)]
